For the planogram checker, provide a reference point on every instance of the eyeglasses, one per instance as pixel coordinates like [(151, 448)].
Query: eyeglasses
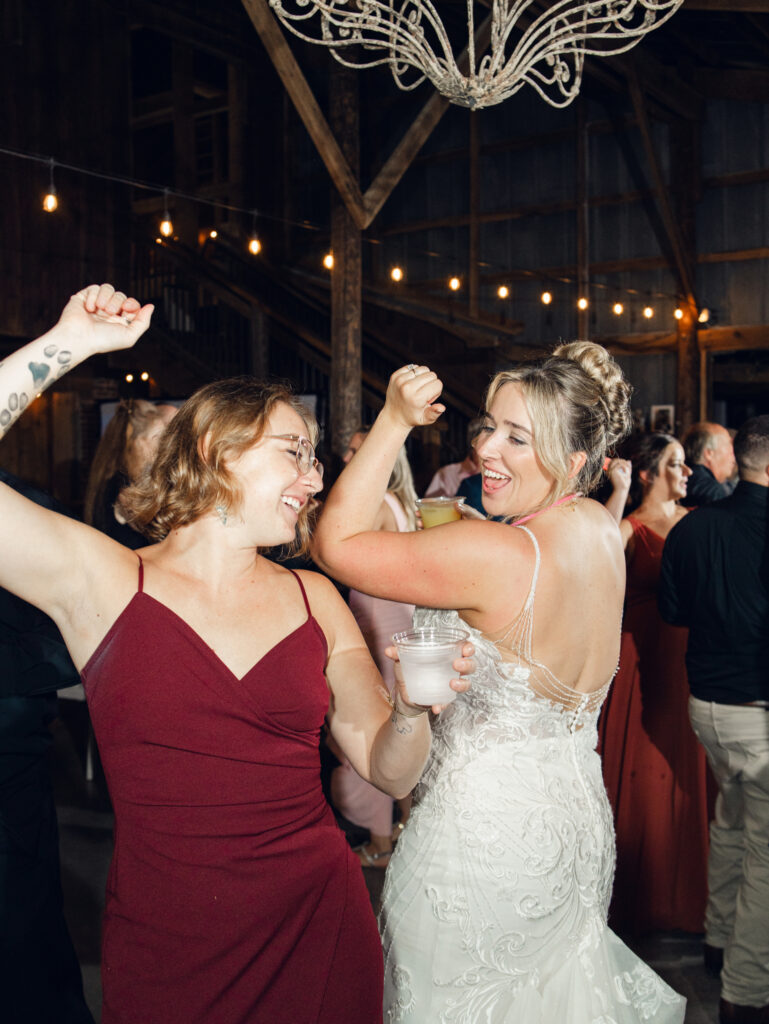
[(305, 453)]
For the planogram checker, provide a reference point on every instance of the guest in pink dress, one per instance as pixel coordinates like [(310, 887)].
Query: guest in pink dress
[(360, 802)]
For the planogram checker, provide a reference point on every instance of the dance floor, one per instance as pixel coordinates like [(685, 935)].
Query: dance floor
[(85, 822)]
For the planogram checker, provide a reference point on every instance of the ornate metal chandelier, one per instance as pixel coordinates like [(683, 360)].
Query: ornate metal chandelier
[(531, 41)]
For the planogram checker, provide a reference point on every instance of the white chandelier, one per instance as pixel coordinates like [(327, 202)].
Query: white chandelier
[(531, 41)]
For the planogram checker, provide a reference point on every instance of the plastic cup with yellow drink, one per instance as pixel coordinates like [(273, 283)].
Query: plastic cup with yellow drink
[(436, 511)]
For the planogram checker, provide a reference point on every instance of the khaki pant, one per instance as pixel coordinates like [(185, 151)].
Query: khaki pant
[(736, 740)]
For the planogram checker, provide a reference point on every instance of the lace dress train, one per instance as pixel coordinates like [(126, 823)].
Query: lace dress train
[(496, 899)]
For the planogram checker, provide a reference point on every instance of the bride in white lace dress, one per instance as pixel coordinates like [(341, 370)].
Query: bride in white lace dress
[(496, 898)]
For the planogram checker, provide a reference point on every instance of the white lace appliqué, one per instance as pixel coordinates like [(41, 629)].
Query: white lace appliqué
[(495, 901)]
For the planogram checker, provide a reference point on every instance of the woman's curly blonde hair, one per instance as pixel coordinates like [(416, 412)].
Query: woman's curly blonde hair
[(190, 476)]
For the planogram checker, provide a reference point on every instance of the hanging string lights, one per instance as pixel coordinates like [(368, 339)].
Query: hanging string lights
[(166, 224), (254, 245), (50, 199), (397, 272)]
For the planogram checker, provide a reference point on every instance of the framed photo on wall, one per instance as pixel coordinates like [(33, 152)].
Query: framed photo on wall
[(662, 419)]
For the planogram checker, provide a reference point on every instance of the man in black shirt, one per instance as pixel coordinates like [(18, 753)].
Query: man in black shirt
[(710, 456), (715, 580)]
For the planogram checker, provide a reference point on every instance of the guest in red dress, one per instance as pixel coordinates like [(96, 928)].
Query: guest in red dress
[(233, 898), (654, 768)]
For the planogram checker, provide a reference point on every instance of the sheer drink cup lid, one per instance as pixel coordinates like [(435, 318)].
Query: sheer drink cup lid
[(436, 511), (427, 659)]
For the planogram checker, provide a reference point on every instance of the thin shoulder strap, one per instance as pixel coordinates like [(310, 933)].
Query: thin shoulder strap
[(537, 560), (304, 593), (141, 574)]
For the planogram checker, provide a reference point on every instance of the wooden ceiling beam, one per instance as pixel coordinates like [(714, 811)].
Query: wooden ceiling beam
[(728, 6), (746, 85), (421, 128), (664, 86), (515, 213), (197, 33), (683, 265), (296, 86)]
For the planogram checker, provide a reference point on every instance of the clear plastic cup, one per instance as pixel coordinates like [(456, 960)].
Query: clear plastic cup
[(435, 511), (427, 659)]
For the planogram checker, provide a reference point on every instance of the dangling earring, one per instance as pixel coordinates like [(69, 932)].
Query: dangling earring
[(221, 511)]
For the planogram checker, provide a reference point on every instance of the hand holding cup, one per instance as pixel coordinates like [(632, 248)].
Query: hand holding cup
[(425, 660)]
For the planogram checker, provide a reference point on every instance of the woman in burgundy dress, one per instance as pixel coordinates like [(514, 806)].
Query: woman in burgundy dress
[(232, 898), (654, 768)]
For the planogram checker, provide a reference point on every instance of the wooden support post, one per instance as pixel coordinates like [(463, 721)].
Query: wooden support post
[(346, 277), (583, 222), (473, 279), (260, 344), (692, 385), (687, 370), (184, 213), (237, 105)]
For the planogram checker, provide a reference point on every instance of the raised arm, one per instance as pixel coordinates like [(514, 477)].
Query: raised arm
[(620, 474), (44, 557), (96, 319), (461, 565)]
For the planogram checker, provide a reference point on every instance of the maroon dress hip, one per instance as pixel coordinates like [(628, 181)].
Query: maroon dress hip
[(655, 771), (232, 898)]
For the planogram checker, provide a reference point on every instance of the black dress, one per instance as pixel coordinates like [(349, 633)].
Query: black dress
[(40, 980)]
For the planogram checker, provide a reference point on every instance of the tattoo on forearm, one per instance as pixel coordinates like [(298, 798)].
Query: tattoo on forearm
[(39, 372), (402, 725), (43, 375)]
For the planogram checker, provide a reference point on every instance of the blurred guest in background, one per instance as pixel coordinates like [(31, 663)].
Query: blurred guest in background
[(715, 580), (446, 481), (125, 451), (378, 619), (654, 769), (39, 974), (710, 455)]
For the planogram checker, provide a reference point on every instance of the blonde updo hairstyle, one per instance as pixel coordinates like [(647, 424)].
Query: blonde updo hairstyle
[(191, 474), (578, 401)]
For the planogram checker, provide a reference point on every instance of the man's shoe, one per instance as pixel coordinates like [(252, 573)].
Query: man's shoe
[(714, 959), (732, 1013)]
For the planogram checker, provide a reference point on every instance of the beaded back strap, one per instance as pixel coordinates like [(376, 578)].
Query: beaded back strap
[(515, 646)]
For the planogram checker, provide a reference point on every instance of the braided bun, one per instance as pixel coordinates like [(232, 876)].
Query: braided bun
[(615, 391)]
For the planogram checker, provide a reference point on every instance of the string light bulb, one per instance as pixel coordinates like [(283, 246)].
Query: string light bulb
[(328, 261), (546, 298), (145, 375), (582, 302), (648, 312), (678, 313), (396, 274), (50, 199), (213, 233), (704, 315), (166, 224), (454, 284), (129, 378), (254, 245), (503, 291), (618, 309)]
